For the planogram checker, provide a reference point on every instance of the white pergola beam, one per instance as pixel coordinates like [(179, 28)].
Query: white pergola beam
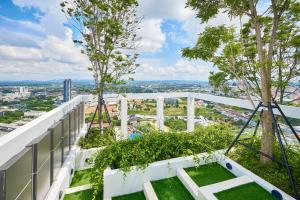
[(190, 114), (160, 113), (124, 118)]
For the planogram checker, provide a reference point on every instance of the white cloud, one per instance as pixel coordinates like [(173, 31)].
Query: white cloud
[(52, 58), (52, 18), (152, 36), (44, 50), (40, 50), (20, 53), (171, 9), (181, 70), (154, 12), (193, 26)]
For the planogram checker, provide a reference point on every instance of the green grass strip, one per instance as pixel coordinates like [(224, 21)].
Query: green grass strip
[(250, 191), (133, 196), (81, 177), (171, 189), (83, 195), (209, 174)]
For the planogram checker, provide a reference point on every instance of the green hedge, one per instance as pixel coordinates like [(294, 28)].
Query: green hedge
[(95, 139), (176, 124), (159, 146), (11, 117)]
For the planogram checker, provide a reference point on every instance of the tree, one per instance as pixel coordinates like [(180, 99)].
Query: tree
[(250, 56), (107, 35), (219, 81)]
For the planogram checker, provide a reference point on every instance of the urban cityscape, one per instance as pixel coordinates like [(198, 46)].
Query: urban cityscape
[(156, 100)]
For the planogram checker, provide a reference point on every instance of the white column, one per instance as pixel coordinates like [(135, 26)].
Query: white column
[(190, 114), (160, 113), (124, 108)]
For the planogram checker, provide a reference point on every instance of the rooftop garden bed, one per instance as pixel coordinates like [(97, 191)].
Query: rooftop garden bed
[(133, 196), (81, 177), (171, 189), (83, 195), (209, 174), (156, 146), (159, 146), (274, 173), (250, 191)]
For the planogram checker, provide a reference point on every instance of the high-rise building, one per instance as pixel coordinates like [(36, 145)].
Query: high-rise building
[(67, 89)]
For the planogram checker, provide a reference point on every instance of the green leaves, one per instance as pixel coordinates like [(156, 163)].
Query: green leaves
[(208, 43), (206, 9), (94, 139), (154, 146), (107, 35)]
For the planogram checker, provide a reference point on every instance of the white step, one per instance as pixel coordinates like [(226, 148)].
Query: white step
[(149, 191), (188, 182), (207, 192), (77, 189)]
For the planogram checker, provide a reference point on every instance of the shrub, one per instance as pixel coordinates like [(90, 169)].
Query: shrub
[(158, 146), (146, 128), (274, 173), (95, 139), (176, 124)]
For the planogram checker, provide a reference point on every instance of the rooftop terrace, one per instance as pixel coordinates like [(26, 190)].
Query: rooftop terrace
[(42, 159)]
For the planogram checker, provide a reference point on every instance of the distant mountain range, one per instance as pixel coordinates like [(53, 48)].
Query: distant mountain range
[(90, 82)]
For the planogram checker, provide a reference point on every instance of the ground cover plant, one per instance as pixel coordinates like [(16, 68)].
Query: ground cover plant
[(176, 124), (209, 174), (39, 104), (11, 117), (171, 189), (83, 195), (273, 173), (95, 139), (250, 191), (81, 177), (159, 146), (133, 196)]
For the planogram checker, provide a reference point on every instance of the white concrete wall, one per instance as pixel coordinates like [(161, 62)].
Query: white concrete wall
[(82, 155), (14, 142), (117, 183), (64, 177)]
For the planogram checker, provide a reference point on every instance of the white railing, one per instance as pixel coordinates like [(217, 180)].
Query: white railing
[(290, 111), (13, 143)]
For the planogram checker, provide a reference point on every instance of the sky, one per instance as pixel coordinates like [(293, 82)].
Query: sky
[(36, 44)]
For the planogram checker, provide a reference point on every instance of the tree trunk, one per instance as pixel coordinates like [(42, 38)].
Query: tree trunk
[(267, 133), (100, 106)]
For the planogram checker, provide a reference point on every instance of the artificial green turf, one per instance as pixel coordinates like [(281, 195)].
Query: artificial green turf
[(171, 189), (81, 177), (250, 191), (133, 196), (83, 195), (209, 174)]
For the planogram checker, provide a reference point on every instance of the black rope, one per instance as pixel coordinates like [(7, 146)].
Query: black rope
[(277, 133), (94, 115)]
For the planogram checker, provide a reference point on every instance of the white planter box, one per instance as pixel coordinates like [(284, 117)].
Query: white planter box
[(84, 156), (117, 182)]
